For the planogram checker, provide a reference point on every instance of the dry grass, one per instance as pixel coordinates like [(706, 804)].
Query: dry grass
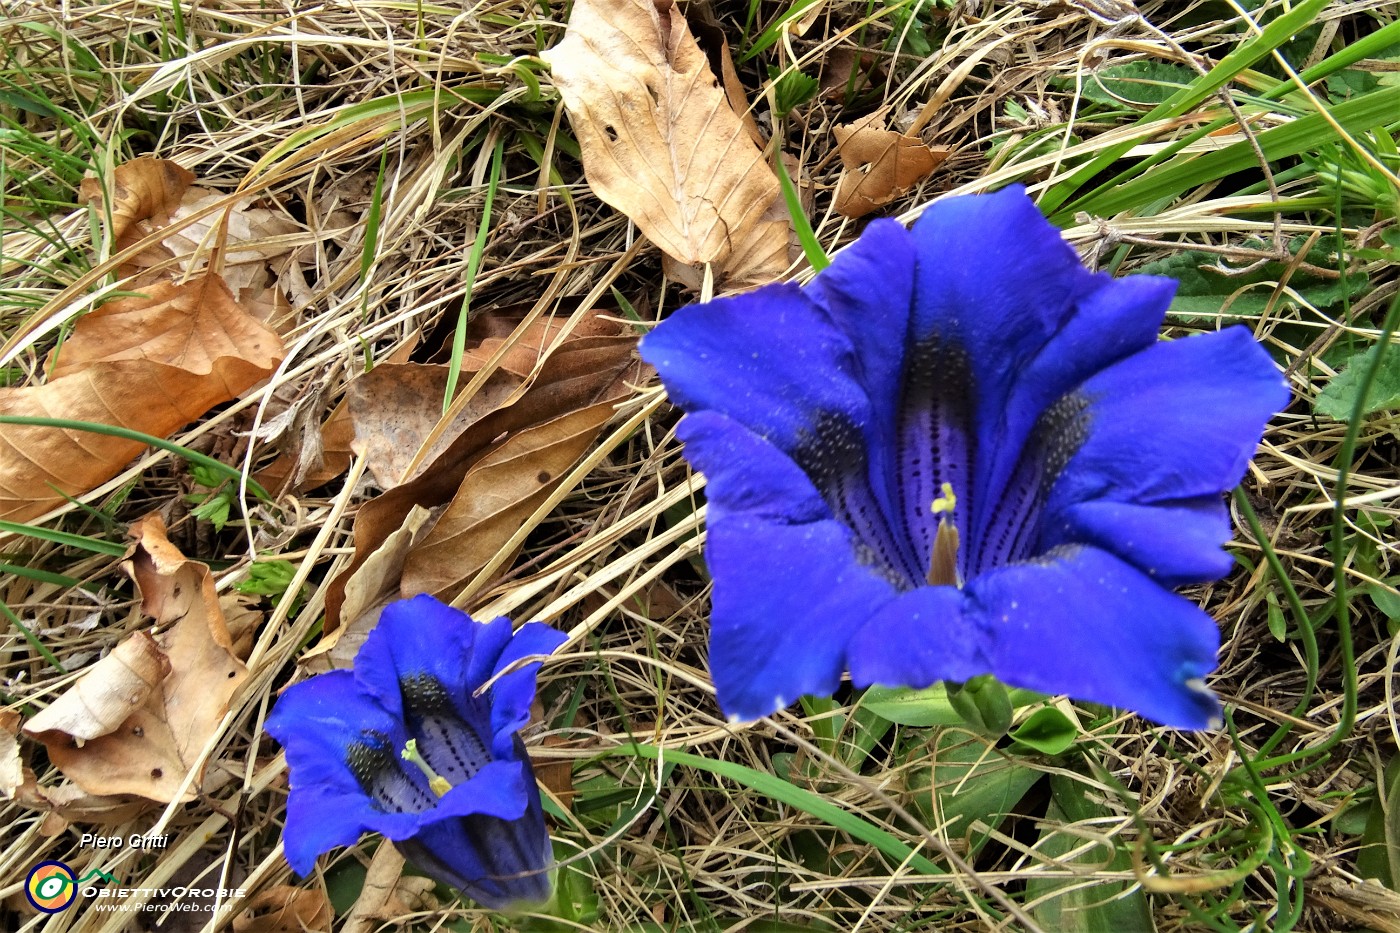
[(297, 107)]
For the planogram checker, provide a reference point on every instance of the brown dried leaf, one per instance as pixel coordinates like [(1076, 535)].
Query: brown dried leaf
[(497, 497), (661, 142), (285, 909), (144, 189), (251, 238), (709, 35), (319, 454), (154, 749), (371, 587), (583, 372), (196, 326), (491, 331), (152, 364), (880, 165), (67, 803), (395, 407), (107, 693), (12, 775)]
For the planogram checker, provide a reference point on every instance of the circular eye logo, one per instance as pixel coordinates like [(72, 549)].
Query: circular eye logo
[(51, 887)]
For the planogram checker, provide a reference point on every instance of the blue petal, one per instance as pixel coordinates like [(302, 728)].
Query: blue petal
[(1117, 319), (1177, 421), (921, 637), (417, 636), (501, 789), (497, 854), (998, 285), (745, 473), (786, 600), (1174, 543), (769, 359), (868, 292), (318, 722), (513, 693), (996, 279), (1086, 624)]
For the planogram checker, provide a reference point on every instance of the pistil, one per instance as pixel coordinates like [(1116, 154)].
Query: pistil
[(943, 563), (436, 782)]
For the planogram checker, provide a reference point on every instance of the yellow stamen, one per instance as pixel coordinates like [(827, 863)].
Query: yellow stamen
[(436, 782), (946, 502), (943, 564)]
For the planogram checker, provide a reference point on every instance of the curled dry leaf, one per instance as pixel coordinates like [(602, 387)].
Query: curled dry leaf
[(67, 803), (879, 165), (487, 471), (107, 693), (151, 363), (662, 144), (152, 751), (252, 239)]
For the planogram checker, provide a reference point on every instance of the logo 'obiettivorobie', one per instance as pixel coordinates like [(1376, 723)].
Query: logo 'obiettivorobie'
[(51, 887)]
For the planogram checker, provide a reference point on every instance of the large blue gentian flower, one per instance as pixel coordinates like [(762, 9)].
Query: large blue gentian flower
[(468, 811), (958, 452)]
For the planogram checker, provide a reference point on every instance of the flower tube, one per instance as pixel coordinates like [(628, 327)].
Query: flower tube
[(404, 746), (958, 452)]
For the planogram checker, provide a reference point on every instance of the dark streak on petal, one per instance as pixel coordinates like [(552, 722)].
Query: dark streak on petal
[(936, 443), (1011, 530), (450, 745), (834, 457), (377, 767)]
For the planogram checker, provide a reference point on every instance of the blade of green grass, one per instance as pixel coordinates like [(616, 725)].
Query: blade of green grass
[(1305, 133), (63, 538), (776, 788), (1247, 54), (811, 247), (459, 335), (43, 576), (33, 639), (223, 469)]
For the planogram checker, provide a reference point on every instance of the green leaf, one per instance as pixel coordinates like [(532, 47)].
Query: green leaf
[(1205, 292), (1143, 82), (927, 707), (267, 578), (1351, 82), (1378, 855), (791, 89), (1278, 625), (1103, 907), (1338, 398), (984, 704), (969, 782), (1047, 731), (1385, 599)]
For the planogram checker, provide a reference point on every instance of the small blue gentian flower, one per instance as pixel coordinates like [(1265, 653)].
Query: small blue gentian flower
[(405, 747), (958, 452)]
